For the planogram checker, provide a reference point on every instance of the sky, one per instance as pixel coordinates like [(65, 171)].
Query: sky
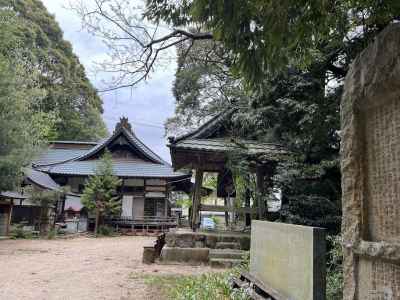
[(147, 106)]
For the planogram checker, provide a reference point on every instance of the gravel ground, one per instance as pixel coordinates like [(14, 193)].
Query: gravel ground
[(80, 268)]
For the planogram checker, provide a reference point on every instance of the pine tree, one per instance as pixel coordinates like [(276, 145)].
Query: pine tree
[(100, 194)]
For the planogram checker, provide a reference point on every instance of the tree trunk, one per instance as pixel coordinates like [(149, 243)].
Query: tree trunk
[(96, 223)]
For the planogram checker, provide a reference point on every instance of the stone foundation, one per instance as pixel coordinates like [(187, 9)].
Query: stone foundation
[(184, 255), (206, 239), (194, 247)]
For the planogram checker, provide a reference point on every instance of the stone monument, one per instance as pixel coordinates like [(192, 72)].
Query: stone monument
[(370, 150), (288, 260)]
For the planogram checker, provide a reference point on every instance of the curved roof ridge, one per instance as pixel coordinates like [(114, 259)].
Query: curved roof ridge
[(206, 126), (133, 139), (137, 140), (73, 142)]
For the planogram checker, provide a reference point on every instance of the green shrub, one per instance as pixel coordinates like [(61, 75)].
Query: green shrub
[(105, 230), (334, 278), (215, 220), (18, 232), (203, 287), (52, 233), (206, 286)]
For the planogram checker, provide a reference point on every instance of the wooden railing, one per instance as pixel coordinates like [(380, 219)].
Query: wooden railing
[(220, 208), (152, 221)]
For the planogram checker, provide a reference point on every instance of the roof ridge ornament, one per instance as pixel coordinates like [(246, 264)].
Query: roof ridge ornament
[(123, 123)]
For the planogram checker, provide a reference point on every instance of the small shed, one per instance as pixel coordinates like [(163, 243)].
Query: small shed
[(207, 150), (6, 207)]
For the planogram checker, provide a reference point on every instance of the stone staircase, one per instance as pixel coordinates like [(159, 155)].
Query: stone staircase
[(227, 245), (218, 249), (225, 257)]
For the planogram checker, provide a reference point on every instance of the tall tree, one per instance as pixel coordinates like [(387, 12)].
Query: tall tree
[(100, 194), (20, 135), (69, 94), (203, 86)]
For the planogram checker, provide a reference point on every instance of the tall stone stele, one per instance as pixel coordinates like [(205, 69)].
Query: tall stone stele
[(370, 117)]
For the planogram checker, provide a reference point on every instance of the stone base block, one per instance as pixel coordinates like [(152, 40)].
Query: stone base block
[(187, 255), (149, 255), (206, 239)]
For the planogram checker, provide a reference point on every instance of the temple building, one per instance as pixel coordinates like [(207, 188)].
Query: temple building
[(147, 179), (209, 148)]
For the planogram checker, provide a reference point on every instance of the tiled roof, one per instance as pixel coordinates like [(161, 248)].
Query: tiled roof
[(41, 179), (208, 138), (208, 128), (74, 142), (83, 162), (122, 168), (136, 143), (147, 150), (225, 145), (12, 195), (52, 156)]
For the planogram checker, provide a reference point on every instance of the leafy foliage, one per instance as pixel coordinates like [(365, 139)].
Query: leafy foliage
[(18, 232), (334, 284), (20, 136), (105, 230), (70, 98), (203, 85), (267, 36), (202, 287)]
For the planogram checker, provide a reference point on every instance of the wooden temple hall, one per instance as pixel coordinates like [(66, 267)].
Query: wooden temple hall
[(207, 149), (147, 183)]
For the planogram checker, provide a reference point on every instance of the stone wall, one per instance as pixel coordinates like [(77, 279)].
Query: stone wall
[(370, 150), (289, 259)]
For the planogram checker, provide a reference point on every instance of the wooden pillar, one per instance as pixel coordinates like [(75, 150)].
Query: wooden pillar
[(196, 199), (226, 213), (264, 185), (260, 172), (10, 208), (166, 207), (247, 204)]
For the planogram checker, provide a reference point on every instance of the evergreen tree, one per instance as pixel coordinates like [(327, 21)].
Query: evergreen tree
[(69, 94), (100, 194)]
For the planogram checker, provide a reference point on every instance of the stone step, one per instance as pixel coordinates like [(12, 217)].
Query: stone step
[(224, 262), (226, 253), (227, 245), (228, 238)]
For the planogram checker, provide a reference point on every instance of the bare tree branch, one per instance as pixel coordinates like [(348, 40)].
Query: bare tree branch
[(134, 44)]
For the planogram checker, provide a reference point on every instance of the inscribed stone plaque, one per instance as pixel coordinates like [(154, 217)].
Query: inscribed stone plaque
[(370, 162), (289, 259)]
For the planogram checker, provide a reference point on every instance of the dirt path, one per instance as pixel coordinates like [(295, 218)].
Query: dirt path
[(80, 268)]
